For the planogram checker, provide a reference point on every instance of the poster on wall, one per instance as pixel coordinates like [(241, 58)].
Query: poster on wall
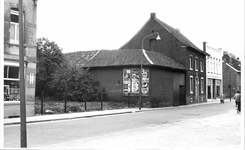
[(135, 81), (131, 82), (126, 81), (145, 82)]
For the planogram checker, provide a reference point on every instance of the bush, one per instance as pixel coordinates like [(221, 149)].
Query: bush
[(73, 108)]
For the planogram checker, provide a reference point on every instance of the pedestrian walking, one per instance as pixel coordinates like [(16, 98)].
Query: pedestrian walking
[(237, 98), (222, 98)]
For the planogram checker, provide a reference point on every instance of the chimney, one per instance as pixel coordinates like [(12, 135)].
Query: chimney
[(153, 15), (204, 46), (178, 29)]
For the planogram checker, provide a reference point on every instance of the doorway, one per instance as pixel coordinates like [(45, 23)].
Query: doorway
[(197, 89)]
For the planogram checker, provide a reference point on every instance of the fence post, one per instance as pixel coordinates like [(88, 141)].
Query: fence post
[(42, 103), (128, 100), (65, 102), (86, 105), (101, 100)]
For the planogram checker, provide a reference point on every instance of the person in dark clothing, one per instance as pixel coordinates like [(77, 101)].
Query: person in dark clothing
[(237, 98)]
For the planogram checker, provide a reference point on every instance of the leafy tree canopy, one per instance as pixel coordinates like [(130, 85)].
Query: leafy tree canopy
[(50, 58)]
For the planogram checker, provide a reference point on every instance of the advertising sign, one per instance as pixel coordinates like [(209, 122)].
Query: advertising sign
[(131, 82)]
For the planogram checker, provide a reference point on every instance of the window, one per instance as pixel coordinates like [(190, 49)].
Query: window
[(14, 26), (217, 69), (196, 64), (11, 83), (220, 69), (202, 85), (201, 65), (191, 62), (31, 82), (11, 72), (191, 84), (214, 65), (210, 65)]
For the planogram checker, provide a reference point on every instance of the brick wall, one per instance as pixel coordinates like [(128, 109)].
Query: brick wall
[(230, 77), (172, 47)]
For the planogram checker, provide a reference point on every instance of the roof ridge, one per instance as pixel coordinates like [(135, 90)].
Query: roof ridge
[(94, 55), (136, 33)]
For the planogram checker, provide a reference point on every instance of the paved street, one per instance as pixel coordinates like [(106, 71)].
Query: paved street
[(213, 126)]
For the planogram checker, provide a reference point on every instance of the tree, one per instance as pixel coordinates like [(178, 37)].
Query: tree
[(50, 58), (75, 84)]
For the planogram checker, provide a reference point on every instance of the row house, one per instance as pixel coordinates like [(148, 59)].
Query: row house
[(231, 74), (11, 56), (214, 65)]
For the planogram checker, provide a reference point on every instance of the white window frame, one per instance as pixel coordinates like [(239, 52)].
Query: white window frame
[(191, 62), (196, 63), (16, 28), (201, 65), (214, 65), (191, 84), (202, 85), (210, 66), (14, 79)]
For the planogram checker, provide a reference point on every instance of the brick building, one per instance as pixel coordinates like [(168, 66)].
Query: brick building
[(231, 74), (118, 71), (174, 69), (11, 56), (175, 45)]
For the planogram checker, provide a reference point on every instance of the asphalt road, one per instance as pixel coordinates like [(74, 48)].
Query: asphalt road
[(49, 133)]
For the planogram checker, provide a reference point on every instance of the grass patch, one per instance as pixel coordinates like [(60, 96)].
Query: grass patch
[(58, 106)]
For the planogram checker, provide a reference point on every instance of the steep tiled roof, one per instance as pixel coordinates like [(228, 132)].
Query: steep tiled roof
[(79, 58), (176, 33), (132, 57)]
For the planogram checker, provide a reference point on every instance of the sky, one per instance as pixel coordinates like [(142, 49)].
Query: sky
[(78, 25)]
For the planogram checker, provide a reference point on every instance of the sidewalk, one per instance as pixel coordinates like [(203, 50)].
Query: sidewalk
[(53, 117)]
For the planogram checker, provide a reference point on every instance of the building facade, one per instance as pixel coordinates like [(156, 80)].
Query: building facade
[(214, 65), (175, 45), (11, 56), (118, 71), (231, 74)]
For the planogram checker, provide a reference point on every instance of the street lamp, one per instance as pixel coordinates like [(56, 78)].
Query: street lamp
[(141, 66)]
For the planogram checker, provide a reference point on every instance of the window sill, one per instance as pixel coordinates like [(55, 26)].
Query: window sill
[(14, 43)]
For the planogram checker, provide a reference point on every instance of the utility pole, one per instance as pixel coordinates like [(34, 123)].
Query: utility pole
[(23, 137)]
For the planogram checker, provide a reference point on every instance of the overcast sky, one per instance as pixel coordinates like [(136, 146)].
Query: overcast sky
[(77, 25)]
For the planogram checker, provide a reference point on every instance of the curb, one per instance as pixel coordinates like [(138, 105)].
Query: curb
[(113, 113)]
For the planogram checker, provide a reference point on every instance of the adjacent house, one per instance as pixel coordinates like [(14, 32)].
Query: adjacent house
[(231, 74), (176, 46), (11, 56), (214, 65)]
